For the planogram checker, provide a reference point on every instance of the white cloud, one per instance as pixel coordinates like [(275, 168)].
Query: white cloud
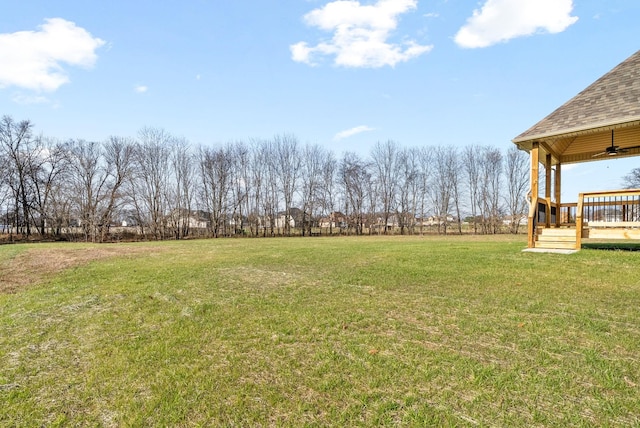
[(34, 59), (360, 34), (351, 132), (502, 20), (141, 89)]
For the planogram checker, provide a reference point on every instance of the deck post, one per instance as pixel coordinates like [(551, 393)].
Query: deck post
[(547, 188), (557, 194), (533, 196), (579, 209)]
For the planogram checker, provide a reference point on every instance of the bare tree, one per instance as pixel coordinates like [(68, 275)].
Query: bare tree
[(181, 187), (118, 158), (355, 179), (151, 178), (517, 186), (408, 181), (425, 166), (89, 178), (99, 171), (471, 167), (287, 163), (385, 164), (491, 182), (454, 173), (49, 162), (19, 147), (441, 190), (240, 157), (328, 186), (632, 179), (311, 179), (215, 173), (5, 192), (257, 210), (270, 199), (61, 206)]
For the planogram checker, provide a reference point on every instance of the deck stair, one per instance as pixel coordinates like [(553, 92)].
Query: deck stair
[(556, 238)]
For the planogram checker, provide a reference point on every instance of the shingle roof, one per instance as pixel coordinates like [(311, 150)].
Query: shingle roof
[(612, 99)]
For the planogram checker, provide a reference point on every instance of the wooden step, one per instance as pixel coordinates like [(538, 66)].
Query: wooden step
[(556, 245), (557, 232), (557, 238)]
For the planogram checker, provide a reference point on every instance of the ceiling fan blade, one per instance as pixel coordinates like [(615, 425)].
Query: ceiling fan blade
[(624, 149), (614, 150)]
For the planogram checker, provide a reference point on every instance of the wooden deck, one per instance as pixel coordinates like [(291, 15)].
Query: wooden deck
[(603, 216)]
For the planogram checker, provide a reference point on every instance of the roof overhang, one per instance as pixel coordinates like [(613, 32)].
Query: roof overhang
[(582, 144)]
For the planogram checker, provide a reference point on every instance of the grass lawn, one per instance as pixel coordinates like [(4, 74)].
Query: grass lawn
[(456, 331)]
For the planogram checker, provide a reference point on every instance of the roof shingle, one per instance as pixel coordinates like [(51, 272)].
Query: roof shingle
[(612, 99)]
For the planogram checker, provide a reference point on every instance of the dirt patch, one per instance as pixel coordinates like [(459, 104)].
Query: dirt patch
[(36, 264)]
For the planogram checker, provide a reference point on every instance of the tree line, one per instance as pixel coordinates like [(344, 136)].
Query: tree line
[(159, 186)]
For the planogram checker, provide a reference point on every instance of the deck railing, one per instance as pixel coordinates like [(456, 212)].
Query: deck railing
[(609, 215), (611, 209), (568, 214), (541, 212)]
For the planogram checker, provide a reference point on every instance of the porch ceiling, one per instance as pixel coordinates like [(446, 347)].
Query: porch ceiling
[(585, 145)]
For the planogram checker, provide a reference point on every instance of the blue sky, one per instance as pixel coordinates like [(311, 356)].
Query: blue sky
[(343, 74)]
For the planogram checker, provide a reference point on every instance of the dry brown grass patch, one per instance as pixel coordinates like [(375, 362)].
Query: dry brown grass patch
[(36, 264)]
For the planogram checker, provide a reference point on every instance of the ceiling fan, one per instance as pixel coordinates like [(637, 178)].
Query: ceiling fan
[(614, 150)]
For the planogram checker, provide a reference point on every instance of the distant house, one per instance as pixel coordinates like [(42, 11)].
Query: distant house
[(196, 219), (280, 220), (334, 220), (295, 218), (378, 222), (509, 220), (435, 220), (237, 221), (128, 218)]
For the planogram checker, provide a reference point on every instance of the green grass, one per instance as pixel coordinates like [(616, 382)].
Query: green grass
[(456, 331)]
